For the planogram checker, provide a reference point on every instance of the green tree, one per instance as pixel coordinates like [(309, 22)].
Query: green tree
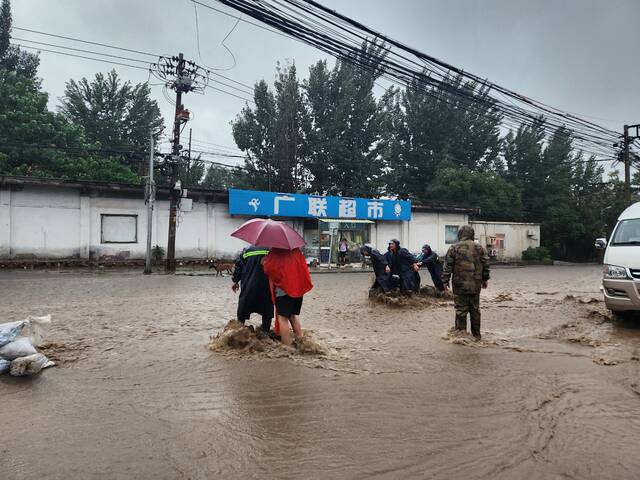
[(345, 124), (561, 189), (273, 134), (13, 58), (119, 116), (496, 198), (224, 178), (428, 126), (37, 142)]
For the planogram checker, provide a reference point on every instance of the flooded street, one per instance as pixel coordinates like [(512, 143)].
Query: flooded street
[(552, 391)]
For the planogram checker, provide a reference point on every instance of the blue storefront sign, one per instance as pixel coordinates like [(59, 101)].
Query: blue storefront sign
[(272, 204)]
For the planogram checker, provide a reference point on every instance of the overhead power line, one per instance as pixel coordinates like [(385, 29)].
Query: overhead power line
[(81, 56), (114, 62), (86, 41), (79, 50), (313, 24), (237, 85)]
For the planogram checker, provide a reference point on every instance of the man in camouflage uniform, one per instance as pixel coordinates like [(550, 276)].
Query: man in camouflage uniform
[(468, 263)]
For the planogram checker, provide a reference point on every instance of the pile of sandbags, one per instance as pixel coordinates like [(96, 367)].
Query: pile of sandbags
[(18, 341)]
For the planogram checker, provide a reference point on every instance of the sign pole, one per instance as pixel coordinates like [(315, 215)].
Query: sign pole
[(151, 186)]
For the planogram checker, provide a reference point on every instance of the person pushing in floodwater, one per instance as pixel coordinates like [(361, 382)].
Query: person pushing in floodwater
[(381, 268), (255, 296), (403, 264), (290, 280), (429, 259), (467, 266)]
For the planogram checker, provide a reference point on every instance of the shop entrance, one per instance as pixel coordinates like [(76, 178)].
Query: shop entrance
[(334, 241)]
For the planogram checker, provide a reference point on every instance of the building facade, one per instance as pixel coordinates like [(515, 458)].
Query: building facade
[(45, 219)]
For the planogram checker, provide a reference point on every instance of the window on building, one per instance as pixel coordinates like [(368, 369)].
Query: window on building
[(450, 234), (499, 241), (118, 228)]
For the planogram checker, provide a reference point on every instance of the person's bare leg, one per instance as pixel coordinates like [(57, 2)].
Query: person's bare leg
[(295, 323), (285, 335)]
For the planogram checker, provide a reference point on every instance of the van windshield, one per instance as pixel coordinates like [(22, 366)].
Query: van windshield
[(627, 233)]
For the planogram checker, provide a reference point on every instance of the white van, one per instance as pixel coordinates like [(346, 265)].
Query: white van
[(621, 273)]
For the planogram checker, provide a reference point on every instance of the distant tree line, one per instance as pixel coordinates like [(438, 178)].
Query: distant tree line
[(329, 134)]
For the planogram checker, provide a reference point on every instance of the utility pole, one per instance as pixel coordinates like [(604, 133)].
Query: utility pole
[(626, 142), (174, 194), (151, 196), (182, 76)]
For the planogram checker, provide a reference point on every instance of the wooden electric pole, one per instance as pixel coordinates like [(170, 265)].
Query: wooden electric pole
[(174, 193), (182, 76)]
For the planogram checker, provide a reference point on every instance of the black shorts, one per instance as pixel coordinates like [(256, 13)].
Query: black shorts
[(287, 306)]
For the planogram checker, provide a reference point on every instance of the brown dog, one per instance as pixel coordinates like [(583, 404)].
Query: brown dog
[(221, 267)]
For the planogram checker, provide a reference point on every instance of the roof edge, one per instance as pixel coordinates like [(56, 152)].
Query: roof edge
[(221, 195)]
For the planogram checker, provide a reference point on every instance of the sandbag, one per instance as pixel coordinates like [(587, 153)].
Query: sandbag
[(10, 331), (29, 365), (21, 347), (32, 328), (35, 327), (4, 365)]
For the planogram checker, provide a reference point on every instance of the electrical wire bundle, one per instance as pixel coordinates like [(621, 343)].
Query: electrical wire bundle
[(342, 37)]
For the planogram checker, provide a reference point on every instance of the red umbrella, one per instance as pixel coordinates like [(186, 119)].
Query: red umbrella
[(269, 233)]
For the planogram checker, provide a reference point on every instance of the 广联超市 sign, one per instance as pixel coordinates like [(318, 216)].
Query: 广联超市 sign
[(250, 202)]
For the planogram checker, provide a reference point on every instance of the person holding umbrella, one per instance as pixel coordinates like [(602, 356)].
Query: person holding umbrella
[(286, 268)]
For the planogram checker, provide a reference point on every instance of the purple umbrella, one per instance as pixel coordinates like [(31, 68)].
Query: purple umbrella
[(269, 233)]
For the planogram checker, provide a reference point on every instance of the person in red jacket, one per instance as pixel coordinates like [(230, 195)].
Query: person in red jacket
[(289, 279)]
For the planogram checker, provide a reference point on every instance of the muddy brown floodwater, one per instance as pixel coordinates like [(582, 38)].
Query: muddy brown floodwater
[(552, 391)]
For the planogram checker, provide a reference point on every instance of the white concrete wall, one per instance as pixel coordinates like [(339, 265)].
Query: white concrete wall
[(424, 227), (45, 222), (48, 222), (516, 238), (427, 227), (5, 222)]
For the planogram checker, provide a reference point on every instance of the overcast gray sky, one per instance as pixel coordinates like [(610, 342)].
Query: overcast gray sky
[(578, 55)]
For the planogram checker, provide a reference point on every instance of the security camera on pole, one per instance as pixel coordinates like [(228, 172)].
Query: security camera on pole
[(182, 76)]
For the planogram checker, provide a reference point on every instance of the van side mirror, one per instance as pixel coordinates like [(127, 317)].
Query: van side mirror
[(601, 243)]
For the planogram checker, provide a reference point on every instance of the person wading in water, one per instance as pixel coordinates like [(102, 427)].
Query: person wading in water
[(290, 280), (249, 277), (467, 266)]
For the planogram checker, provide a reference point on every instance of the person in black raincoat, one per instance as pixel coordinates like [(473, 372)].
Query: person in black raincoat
[(255, 295), (404, 265), (429, 259), (380, 266)]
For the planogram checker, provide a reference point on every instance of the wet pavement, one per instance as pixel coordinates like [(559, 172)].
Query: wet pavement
[(552, 390)]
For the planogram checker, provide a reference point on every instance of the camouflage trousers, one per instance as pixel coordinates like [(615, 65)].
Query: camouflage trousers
[(467, 304)]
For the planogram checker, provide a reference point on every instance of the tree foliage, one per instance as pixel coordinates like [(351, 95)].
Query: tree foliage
[(35, 141), (115, 114), (13, 58), (224, 178), (273, 133), (425, 128), (494, 195), (345, 125), (443, 145)]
